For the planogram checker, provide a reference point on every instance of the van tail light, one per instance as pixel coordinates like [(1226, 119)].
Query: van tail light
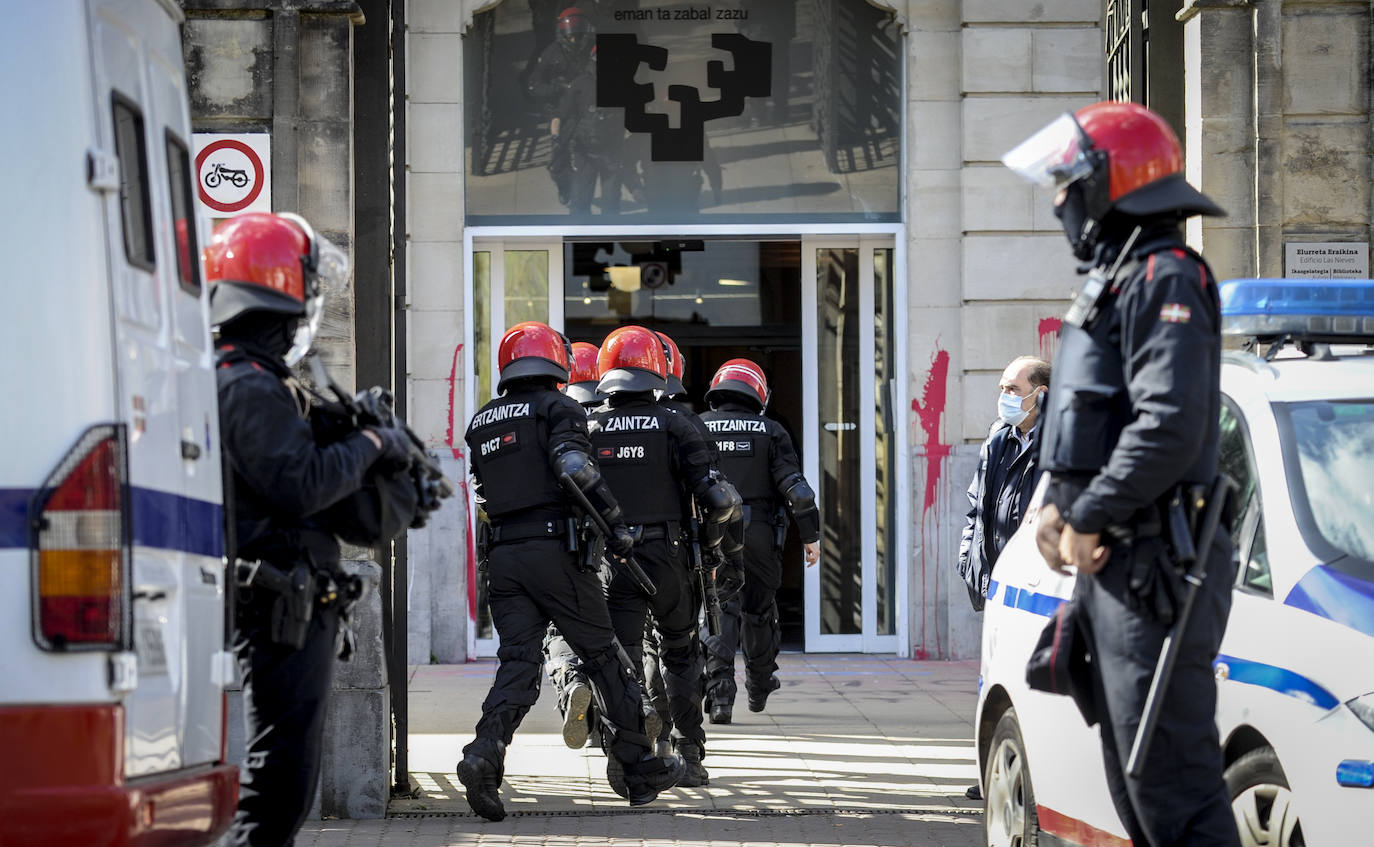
[(79, 546)]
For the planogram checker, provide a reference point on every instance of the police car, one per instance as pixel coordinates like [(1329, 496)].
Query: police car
[(112, 618), (1295, 704)]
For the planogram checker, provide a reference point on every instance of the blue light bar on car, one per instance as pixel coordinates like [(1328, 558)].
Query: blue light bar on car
[(1355, 773), (1302, 308)]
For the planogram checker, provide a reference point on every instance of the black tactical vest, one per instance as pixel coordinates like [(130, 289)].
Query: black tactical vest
[(743, 442), (1088, 404), (631, 445), (508, 440)]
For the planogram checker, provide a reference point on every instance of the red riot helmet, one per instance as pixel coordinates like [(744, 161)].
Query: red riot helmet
[(273, 263), (631, 359), (531, 349), (1108, 157), (584, 374), (739, 380), (676, 366), (574, 30)]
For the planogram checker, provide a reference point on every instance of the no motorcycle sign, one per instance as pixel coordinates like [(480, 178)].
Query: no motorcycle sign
[(232, 173)]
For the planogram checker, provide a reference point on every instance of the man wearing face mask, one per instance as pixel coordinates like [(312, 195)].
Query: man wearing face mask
[(1001, 489)]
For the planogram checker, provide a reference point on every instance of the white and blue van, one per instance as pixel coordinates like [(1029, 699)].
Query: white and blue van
[(112, 594)]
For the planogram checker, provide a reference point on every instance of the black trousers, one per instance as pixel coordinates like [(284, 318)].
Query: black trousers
[(285, 698), (675, 608), (1181, 797), (748, 617), (530, 584)]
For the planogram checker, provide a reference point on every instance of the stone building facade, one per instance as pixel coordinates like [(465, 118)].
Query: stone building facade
[(1276, 123)]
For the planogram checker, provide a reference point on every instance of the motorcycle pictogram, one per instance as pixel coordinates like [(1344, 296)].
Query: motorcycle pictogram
[(219, 173)]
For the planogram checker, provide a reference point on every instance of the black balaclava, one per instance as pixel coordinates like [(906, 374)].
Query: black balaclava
[(269, 332), (1081, 230)]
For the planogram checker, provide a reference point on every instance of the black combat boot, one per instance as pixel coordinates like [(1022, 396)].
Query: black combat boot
[(691, 753), (720, 712), (759, 699), (641, 782), (576, 720), (482, 779)]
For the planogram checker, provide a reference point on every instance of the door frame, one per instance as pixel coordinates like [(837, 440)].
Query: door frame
[(498, 239)]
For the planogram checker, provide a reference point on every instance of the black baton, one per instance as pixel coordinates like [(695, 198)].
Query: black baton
[(630, 565), (1168, 656)]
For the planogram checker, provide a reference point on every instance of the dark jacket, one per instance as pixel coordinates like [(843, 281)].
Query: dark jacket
[(978, 548), (1135, 402), (281, 475)]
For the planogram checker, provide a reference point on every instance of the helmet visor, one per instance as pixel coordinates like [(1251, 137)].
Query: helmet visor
[(1053, 157), (331, 274)]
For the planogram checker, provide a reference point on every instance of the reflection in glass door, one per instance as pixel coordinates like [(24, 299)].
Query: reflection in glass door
[(510, 283), (852, 454)]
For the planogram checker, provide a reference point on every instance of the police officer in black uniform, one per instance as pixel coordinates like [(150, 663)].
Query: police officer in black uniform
[(521, 444), (676, 399), (268, 273), (651, 455), (758, 456), (560, 661), (558, 82), (1132, 420)]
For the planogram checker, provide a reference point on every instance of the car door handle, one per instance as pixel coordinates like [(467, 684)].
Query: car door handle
[(190, 450)]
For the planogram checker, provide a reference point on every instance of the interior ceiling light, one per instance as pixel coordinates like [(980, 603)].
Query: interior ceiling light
[(732, 282), (623, 278)]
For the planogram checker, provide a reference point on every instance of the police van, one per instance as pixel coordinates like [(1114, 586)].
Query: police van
[(112, 603), (1295, 674)]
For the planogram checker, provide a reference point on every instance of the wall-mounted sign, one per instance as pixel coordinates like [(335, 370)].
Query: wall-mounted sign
[(233, 172), (1326, 259), (733, 111)]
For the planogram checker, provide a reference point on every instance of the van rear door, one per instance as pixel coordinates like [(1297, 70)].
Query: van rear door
[(166, 389)]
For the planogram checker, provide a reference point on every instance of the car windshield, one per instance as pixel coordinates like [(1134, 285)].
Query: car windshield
[(1334, 446)]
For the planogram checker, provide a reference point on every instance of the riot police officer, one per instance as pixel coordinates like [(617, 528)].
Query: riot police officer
[(269, 273), (560, 661), (522, 444), (675, 398), (558, 83), (757, 455), (1131, 424), (651, 456)]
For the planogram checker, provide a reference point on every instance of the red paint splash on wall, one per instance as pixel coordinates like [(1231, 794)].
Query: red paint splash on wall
[(452, 400), (454, 386), (929, 409), (1049, 337)]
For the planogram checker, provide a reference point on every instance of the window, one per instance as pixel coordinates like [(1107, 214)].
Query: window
[(135, 207), (1247, 530), (183, 214)]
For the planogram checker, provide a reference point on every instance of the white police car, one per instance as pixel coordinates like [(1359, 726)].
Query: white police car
[(1295, 704)]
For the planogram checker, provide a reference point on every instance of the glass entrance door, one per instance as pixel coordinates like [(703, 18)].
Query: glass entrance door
[(511, 282), (848, 378), (851, 457)]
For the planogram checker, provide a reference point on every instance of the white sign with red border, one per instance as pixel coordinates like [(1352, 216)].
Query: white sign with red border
[(233, 172)]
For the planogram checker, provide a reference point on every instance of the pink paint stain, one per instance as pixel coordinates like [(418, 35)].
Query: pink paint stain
[(461, 456), (1049, 337), (929, 409), (452, 401)]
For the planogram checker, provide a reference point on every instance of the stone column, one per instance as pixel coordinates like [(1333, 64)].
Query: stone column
[(1220, 159)]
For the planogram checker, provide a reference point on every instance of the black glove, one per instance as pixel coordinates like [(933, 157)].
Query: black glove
[(395, 446), (621, 542)]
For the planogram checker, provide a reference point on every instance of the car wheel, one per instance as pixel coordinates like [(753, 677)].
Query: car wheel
[(1009, 805), (1262, 802)]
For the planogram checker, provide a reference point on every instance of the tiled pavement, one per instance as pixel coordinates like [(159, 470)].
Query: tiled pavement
[(862, 750)]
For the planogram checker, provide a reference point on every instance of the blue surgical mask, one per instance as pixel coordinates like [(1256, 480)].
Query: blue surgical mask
[(1009, 409)]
